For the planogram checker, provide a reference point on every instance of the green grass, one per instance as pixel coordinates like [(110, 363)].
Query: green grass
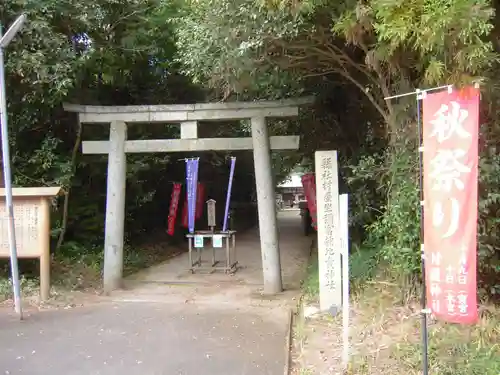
[(310, 285), (395, 337), (458, 350), (363, 265), (29, 286), (386, 333)]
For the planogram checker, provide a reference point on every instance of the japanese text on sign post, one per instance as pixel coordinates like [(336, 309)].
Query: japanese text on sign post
[(327, 195), (450, 165)]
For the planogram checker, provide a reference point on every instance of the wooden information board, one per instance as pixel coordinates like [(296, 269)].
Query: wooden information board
[(32, 228)]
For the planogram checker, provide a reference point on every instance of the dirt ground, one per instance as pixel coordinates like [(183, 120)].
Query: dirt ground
[(385, 339)]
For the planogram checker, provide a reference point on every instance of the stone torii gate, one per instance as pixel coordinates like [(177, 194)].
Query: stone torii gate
[(188, 117)]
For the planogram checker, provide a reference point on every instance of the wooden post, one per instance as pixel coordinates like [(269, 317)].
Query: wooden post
[(44, 239), (115, 207)]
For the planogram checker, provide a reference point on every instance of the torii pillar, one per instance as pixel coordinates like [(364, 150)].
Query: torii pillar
[(266, 203)]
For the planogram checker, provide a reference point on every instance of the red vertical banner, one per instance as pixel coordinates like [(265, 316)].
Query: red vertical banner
[(309, 185), (174, 205), (450, 184), (184, 221), (200, 200)]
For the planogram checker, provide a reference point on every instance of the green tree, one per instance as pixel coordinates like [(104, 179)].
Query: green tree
[(362, 52)]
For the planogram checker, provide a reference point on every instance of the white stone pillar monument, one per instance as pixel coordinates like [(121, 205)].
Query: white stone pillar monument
[(327, 200)]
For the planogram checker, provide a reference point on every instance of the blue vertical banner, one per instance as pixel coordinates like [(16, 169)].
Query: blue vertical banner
[(192, 184), (228, 197)]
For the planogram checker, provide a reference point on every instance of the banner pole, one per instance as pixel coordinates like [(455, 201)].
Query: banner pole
[(417, 92), (425, 311), (228, 195)]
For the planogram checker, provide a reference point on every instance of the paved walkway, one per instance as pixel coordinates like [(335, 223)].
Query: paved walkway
[(168, 321), (172, 280)]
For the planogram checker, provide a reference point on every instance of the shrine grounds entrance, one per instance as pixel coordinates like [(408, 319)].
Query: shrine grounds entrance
[(188, 116), (172, 282)]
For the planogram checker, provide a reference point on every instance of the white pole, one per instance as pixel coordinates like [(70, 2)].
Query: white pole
[(4, 41), (344, 230), (417, 92)]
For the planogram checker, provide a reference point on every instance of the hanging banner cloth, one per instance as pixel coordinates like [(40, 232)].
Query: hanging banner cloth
[(200, 194), (191, 185), (200, 200), (450, 179), (184, 219), (309, 185), (174, 205), (228, 197)]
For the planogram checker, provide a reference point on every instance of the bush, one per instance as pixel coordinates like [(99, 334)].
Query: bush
[(395, 232)]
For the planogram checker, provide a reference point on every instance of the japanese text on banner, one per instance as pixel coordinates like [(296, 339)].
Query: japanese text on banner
[(174, 204), (192, 184), (200, 194), (200, 200), (450, 174)]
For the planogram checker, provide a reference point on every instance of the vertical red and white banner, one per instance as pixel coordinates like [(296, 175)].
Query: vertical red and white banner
[(184, 219), (309, 185), (200, 200), (174, 205), (450, 184)]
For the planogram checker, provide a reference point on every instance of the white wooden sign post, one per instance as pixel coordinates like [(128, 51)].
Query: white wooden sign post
[(327, 200), (211, 214), (344, 249)]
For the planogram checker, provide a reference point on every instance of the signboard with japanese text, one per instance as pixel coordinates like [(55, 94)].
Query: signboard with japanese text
[(198, 241), (217, 241), (450, 187), (211, 213), (174, 204), (327, 205)]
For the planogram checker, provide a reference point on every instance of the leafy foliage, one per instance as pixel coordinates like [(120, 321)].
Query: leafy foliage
[(349, 54), (377, 47), (97, 52)]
